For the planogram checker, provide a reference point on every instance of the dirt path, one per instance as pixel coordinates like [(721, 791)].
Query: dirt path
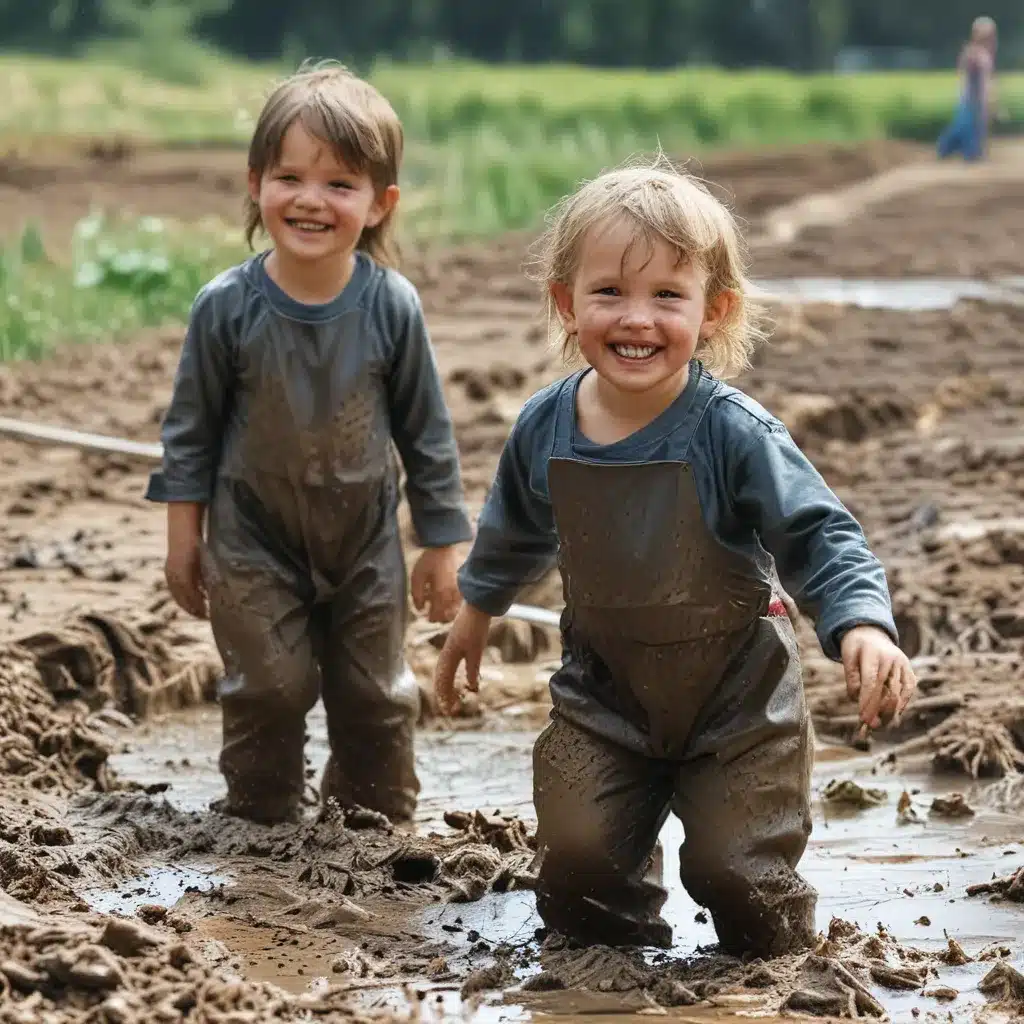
[(916, 220)]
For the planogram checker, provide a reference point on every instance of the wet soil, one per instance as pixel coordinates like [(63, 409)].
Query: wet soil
[(56, 182), (109, 746)]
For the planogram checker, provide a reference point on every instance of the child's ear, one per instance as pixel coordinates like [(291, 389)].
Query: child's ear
[(561, 295), (717, 310), (254, 185), (384, 202)]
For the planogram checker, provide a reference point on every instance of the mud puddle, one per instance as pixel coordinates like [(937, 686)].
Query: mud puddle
[(908, 295), (486, 770), (162, 886), (880, 856)]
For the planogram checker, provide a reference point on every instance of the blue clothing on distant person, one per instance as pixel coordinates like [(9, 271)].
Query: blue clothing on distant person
[(967, 132)]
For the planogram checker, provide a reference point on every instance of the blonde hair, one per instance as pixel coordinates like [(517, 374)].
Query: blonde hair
[(348, 114), (983, 27), (667, 203)]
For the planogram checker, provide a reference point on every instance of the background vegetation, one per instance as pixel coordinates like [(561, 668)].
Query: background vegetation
[(493, 138)]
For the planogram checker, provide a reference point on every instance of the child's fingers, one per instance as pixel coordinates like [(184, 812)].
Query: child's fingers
[(908, 687), (871, 685), (473, 659), (444, 678), (851, 667), (418, 588)]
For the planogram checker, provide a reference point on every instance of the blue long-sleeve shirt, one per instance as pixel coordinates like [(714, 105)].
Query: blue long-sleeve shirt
[(759, 496), (269, 388)]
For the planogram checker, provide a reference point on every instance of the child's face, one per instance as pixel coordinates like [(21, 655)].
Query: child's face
[(312, 205), (638, 314)]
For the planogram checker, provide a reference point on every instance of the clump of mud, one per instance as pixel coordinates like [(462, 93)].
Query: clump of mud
[(64, 694), (1009, 888), (62, 689), (345, 856), (835, 979), (118, 971)]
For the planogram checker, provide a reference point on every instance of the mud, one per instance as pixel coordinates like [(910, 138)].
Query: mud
[(915, 417), (979, 226), (57, 969)]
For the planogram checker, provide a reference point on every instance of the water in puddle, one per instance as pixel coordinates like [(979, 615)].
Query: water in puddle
[(903, 295), (162, 886), (866, 867)]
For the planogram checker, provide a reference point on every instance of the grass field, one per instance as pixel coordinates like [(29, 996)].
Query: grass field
[(489, 149), (490, 146)]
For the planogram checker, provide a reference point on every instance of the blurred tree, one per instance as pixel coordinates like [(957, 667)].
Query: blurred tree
[(800, 34)]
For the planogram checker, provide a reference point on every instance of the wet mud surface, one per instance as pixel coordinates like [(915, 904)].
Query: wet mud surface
[(123, 897)]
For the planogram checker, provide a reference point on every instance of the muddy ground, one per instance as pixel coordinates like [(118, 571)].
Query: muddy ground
[(108, 741)]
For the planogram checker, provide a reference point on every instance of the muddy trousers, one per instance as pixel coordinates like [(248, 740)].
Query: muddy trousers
[(280, 655), (600, 808)]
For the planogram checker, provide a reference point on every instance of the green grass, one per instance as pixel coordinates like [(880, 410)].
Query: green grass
[(122, 276), (489, 149)]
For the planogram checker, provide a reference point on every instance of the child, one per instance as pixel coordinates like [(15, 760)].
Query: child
[(664, 494), (299, 369), (967, 134)]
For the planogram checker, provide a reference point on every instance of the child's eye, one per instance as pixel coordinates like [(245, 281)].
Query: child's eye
[(341, 184), (607, 290), (287, 177), (667, 293)]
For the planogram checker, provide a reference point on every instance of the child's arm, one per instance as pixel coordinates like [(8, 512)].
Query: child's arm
[(191, 437), (824, 562), (421, 426), (422, 430), (515, 545)]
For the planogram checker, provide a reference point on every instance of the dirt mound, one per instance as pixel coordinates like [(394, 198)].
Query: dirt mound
[(60, 687), (56, 186), (833, 980), (116, 970), (755, 182), (964, 231)]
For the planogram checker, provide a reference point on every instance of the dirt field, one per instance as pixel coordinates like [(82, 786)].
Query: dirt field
[(122, 896)]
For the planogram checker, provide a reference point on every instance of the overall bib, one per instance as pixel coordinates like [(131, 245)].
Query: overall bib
[(307, 582), (680, 690)]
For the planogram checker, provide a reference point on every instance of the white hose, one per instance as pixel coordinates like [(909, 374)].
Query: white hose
[(39, 433)]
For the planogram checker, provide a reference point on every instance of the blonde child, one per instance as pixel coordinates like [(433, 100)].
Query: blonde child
[(300, 368), (665, 494)]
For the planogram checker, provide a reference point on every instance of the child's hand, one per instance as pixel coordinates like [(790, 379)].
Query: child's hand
[(878, 673), (465, 642), (182, 568), (185, 578), (434, 585)]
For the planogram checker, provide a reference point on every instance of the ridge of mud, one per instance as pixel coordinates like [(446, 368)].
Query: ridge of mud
[(831, 980)]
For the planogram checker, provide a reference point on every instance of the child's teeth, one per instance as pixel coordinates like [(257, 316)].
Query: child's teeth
[(635, 351)]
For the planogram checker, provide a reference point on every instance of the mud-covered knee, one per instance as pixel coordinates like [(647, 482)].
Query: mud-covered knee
[(271, 692), (576, 848)]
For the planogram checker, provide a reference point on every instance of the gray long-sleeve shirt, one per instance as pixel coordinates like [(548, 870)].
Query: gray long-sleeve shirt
[(759, 496), (283, 399)]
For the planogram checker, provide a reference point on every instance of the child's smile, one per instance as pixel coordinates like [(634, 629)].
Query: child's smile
[(637, 309)]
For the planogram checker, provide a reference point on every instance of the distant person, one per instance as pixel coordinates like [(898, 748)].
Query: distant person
[(300, 368), (968, 132), (665, 494)]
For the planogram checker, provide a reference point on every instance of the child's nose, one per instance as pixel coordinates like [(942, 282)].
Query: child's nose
[(310, 196), (636, 315)]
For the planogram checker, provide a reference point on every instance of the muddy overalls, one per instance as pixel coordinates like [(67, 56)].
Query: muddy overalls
[(283, 421), (680, 690)]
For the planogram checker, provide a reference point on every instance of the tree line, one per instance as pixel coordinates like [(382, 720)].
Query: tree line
[(803, 35)]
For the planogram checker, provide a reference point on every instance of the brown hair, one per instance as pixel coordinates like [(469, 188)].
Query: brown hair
[(348, 114), (664, 202)]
